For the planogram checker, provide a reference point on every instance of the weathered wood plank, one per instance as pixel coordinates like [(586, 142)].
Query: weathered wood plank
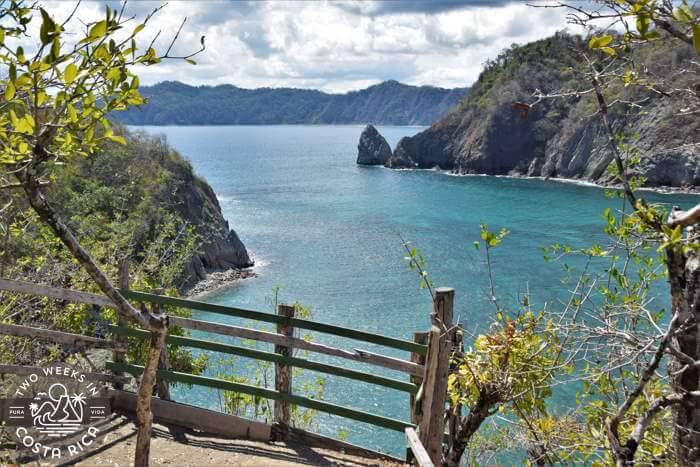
[(21, 370), (120, 349), (437, 365), (273, 318), (54, 292), (246, 333), (315, 440), (195, 418), (283, 372), (321, 406), (273, 357), (17, 330), (420, 455), (415, 403), (235, 331)]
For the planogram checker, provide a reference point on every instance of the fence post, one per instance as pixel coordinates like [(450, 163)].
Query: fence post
[(162, 385), (437, 363), (283, 376), (120, 341), (415, 404), (415, 400)]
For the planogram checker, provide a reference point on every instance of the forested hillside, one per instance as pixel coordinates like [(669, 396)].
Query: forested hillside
[(388, 103)]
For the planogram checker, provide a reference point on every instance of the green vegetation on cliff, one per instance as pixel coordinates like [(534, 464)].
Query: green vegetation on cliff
[(141, 202), (488, 132)]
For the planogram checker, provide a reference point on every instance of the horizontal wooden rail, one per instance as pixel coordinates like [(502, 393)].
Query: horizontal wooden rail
[(17, 330), (272, 357), (54, 292), (21, 370), (273, 318), (246, 333), (327, 407), (95, 299)]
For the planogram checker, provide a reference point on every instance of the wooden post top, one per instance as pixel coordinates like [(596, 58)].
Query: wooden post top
[(444, 290)]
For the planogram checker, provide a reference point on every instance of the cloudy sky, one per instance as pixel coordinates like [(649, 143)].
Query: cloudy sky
[(335, 46)]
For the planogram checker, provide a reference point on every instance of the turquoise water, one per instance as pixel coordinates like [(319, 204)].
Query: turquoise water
[(328, 232)]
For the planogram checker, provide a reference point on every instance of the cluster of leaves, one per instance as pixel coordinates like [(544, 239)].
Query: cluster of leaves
[(646, 14)]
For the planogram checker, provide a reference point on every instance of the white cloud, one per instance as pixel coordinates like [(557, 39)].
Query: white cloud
[(334, 46)]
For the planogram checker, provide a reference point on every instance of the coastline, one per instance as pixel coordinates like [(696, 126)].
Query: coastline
[(663, 190), (218, 280)]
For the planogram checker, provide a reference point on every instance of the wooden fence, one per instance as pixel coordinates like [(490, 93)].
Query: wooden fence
[(426, 368)]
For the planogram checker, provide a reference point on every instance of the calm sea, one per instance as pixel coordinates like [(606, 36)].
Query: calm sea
[(328, 233)]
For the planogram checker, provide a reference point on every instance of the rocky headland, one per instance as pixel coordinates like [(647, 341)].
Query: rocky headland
[(560, 138)]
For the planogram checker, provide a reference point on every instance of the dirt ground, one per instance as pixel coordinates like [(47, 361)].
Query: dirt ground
[(193, 449)]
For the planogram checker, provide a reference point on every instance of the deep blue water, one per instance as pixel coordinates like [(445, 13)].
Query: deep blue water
[(328, 233)]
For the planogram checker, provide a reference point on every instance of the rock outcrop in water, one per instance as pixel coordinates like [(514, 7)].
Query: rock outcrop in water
[(372, 148), (485, 134)]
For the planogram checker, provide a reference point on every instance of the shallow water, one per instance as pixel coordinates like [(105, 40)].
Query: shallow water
[(329, 234)]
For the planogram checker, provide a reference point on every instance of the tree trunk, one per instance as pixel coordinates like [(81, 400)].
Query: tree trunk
[(156, 324), (144, 418), (470, 424), (684, 277)]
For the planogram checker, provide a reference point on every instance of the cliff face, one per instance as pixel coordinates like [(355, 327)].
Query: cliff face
[(486, 134), (127, 200), (219, 248), (389, 103)]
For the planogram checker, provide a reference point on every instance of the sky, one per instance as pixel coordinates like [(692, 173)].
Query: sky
[(335, 46)]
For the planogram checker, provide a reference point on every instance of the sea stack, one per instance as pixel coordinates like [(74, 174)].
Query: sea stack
[(372, 148)]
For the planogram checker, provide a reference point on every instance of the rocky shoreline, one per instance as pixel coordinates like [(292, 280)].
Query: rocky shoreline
[(216, 280)]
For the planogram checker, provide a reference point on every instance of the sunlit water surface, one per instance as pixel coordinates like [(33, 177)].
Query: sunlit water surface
[(328, 232)]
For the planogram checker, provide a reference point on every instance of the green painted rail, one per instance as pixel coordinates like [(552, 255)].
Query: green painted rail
[(392, 342), (272, 357), (333, 409)]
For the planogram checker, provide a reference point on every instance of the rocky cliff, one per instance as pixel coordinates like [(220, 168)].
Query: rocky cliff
[(372, 148), (143, 197), (388, 103), (486, 134), (219, 246)]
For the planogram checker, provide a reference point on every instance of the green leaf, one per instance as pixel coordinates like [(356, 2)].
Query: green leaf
[(98, 30), (55, 49), (683, 14), (598, 42), (609, 50), (138, 29), (70, 73), (643, 23), (47, 28), (9, 91), (2, 35), (190, 61), (696, 38), (116, 138)]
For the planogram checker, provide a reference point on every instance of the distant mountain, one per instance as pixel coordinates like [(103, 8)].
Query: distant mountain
[(387, 103)]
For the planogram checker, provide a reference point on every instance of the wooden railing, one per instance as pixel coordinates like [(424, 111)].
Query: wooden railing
[(426, 368)]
